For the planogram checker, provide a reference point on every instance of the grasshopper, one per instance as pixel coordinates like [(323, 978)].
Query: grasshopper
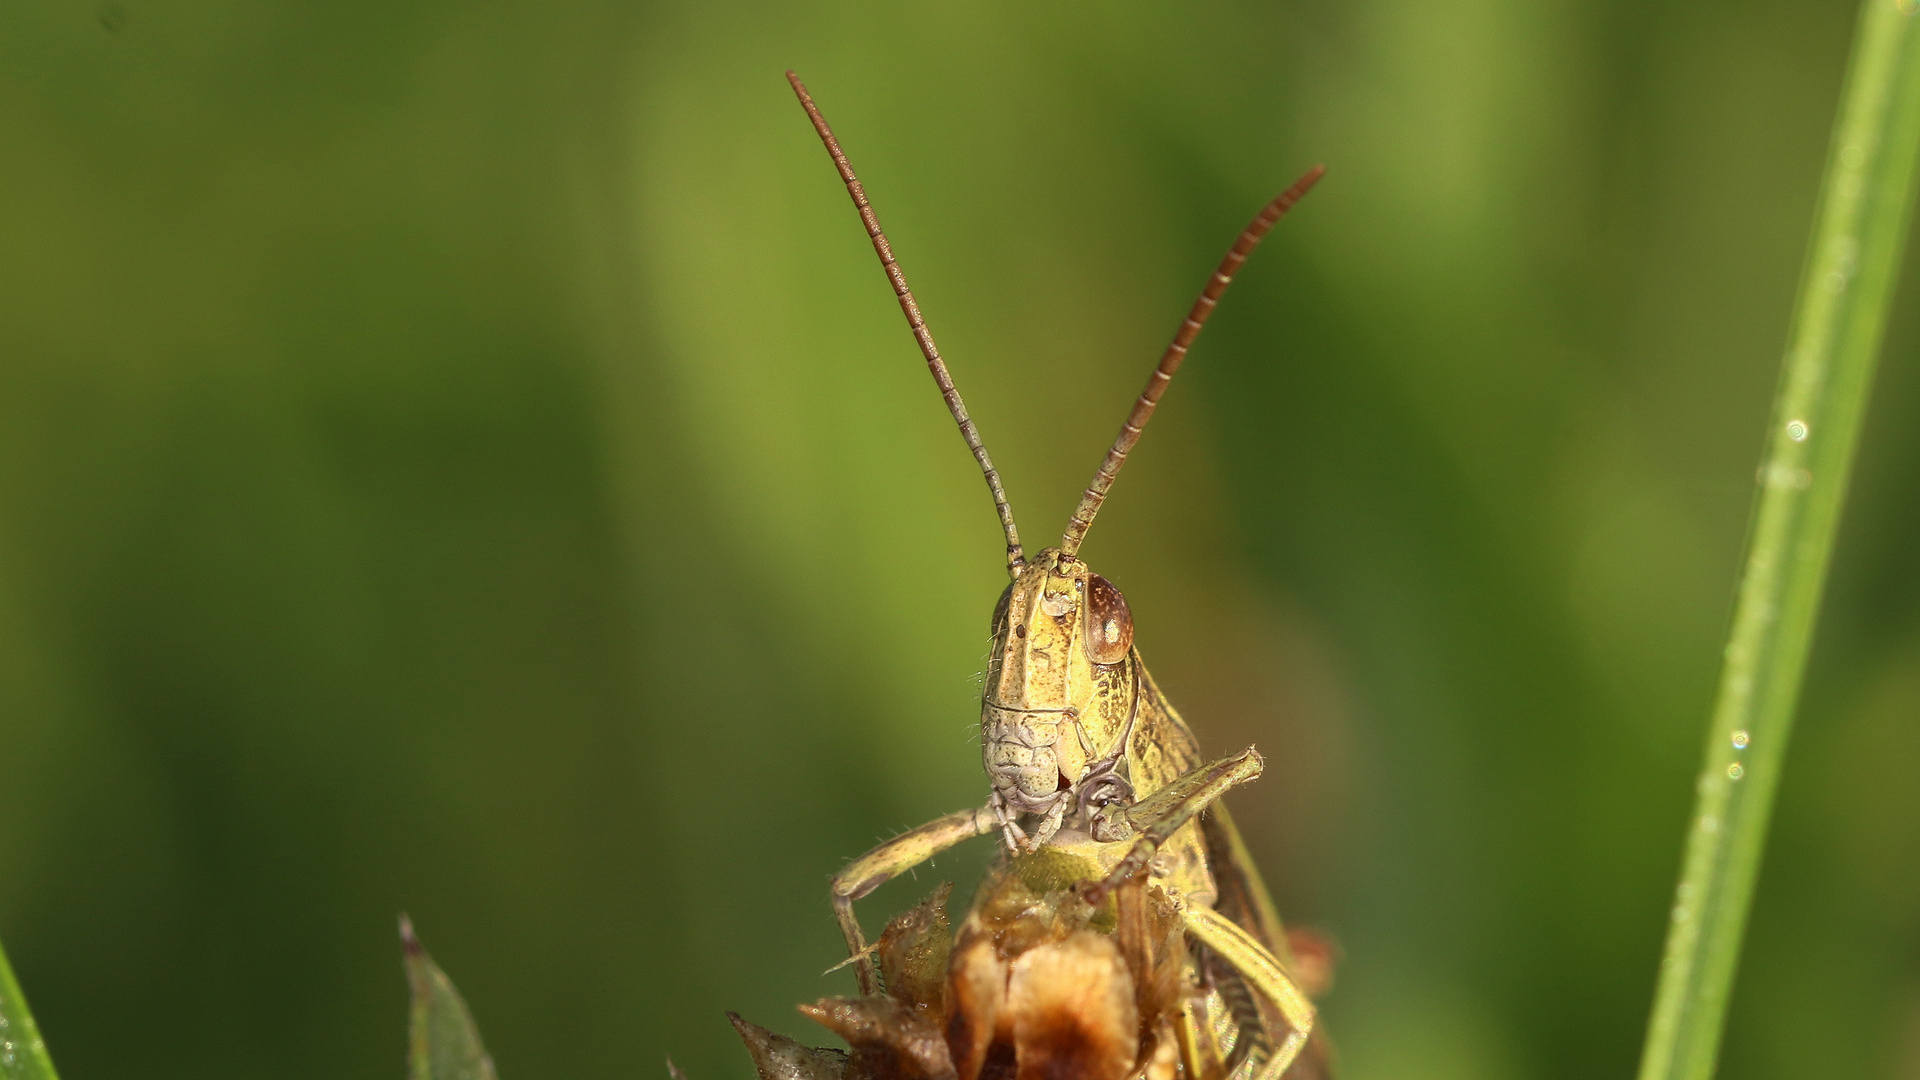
[(1083, 752)]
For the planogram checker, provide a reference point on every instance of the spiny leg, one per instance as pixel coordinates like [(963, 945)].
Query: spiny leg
[(889, 860), (1157, 817), (1251, 959), (1049, 826)]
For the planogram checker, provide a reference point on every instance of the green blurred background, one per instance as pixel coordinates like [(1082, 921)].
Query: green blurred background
[(463, 458)]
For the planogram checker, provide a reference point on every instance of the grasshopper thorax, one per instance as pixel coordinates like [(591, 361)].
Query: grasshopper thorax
[(1061, 697)]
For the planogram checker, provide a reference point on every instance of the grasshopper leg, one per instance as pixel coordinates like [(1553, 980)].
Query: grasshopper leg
[(1157, 817), (1239, 948), (889, 860)]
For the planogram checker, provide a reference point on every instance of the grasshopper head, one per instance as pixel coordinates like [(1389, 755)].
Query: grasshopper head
[(1062, 684)]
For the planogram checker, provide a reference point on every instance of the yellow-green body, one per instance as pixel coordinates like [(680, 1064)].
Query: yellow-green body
[(1065, 738)]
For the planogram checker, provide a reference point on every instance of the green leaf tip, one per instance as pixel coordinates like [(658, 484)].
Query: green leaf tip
[(23, 1053), (442, 1041)]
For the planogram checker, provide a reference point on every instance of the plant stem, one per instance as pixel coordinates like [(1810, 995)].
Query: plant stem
[(23, 1054), (1858, 232)]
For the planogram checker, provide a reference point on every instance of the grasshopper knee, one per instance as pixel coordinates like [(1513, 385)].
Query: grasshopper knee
[(848, 889)]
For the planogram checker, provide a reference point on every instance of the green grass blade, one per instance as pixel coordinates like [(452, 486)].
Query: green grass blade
[(442, 1041), (1855, 253), (23, 1053)]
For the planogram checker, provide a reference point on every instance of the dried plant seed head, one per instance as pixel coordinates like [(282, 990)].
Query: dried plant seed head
[(1034, 983), (776, 1057), (913, 954), (888, 1038), (1073, 1009)]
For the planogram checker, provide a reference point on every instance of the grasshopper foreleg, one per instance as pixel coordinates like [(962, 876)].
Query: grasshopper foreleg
[(1018, 840), (1049, 826), (1157, 817), (1014, 836), (889, 860)]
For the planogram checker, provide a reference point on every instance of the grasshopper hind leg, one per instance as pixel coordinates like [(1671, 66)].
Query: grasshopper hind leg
[(1237, 948), (1252, 1040)]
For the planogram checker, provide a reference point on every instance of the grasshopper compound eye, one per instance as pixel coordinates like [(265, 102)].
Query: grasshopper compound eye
[(1109, 629)]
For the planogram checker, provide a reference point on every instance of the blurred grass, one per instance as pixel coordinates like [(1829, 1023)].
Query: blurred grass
[(462, 459), (1834, 345)]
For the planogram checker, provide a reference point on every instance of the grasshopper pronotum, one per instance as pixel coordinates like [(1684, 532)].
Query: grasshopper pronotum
[(1084, 753)]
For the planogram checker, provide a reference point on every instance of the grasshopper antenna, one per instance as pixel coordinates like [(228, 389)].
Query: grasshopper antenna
[(1015, 557), (1096, 492)]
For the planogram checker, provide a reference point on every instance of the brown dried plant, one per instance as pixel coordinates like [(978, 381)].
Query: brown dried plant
[(1036, 984)]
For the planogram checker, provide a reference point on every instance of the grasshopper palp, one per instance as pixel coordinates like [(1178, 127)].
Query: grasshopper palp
[(1082, 752)]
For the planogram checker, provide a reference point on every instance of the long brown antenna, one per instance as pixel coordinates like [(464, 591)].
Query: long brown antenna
[(1096, 492), (1015, 557)]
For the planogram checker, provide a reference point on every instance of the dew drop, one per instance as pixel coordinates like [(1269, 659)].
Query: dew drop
[(1709, 824), (1740, 739), (1735, 771), (1797, 430)]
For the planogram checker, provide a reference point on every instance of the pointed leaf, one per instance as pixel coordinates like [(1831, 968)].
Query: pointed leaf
[(776, 1057), (23, 1054), (443, 1043)]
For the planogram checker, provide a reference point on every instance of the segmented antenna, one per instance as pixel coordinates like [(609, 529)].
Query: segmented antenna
[(1015, 557), (1096, 492)]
